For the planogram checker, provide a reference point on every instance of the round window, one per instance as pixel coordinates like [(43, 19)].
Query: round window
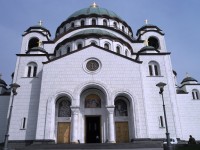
[(92, 65)]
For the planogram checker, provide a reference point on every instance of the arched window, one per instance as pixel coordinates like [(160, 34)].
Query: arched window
[(118, 49), (34, 42), (68, 49), (154, 69), (31, 69), (105, 23), (72, 25), (107, 46), (92, 101), (79, 46), (126, 52), (64, 109), (82, 22), (122, 28), (152, 41), (121, 108), (115, 25), (94, 22), (195, 94), (93, 43)]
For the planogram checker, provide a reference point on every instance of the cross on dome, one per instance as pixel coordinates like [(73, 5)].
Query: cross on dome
[(187, 74), (146, 21), (94, 5), (40, 23)]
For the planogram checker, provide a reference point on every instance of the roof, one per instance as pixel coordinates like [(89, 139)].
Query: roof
[(188, 79), (148, 26), (94, 11), (38, 27), (93, 31)]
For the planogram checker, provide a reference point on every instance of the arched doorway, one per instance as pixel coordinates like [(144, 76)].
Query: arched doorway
[(122, 113), (92, 110), (63, 119)]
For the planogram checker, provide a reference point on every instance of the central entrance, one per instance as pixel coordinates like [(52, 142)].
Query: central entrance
[(93, 130)]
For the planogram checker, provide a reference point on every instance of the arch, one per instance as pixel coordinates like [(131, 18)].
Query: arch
[(94, 21), (50, 119), (154, 42), (115, 25), (79, 45), (105, 22), (68, 49), (82, 22), (131, 117), (118, 49), (31, 69), (154, 68), (72, 25), (91, 85), (123, 29), (107, 45), (33, 42), (93, 42), (121, 108), (126, 52), (195, 94), (63, 107)]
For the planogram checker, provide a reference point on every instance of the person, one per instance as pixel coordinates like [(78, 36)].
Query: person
[(191, 140)]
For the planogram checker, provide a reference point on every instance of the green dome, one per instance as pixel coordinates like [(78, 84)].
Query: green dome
[(94, 31), (94, 11)]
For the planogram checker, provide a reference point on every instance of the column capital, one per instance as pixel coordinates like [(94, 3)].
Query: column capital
[(75, 109), (110, 109)]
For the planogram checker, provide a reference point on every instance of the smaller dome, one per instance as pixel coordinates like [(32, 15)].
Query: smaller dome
[(188, 79), (147, 26), (38, 27)]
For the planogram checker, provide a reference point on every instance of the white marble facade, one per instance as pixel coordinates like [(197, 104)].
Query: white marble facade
[(76, 76)]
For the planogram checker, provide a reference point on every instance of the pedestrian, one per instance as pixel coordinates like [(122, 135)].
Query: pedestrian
[(191, 140)]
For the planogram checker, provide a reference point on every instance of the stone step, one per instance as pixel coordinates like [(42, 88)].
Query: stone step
[(91, 146)]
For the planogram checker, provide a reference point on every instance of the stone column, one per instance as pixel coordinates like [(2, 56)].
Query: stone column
[(75, 122), (111, 123)]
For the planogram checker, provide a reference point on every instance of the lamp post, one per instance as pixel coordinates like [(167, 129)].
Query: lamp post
[(161, 86), (13, 87)]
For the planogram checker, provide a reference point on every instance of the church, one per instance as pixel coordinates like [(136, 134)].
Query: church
[(95, 82)]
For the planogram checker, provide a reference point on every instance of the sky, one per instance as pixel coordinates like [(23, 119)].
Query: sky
[(179, 20)]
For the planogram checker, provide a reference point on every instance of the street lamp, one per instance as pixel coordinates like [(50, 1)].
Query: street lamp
[(13, 87), (161, 86)]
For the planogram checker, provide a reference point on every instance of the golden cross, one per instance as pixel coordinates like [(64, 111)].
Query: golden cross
[(40, 23), (94, 5), (146, 21), (146, 42)]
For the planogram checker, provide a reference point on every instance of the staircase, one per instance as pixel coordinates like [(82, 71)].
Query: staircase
[(91, 146)]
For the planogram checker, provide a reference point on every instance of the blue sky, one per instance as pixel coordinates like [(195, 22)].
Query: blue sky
[(179, 20)]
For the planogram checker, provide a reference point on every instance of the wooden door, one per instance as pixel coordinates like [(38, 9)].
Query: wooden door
[(122, 132), (63, 132)]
